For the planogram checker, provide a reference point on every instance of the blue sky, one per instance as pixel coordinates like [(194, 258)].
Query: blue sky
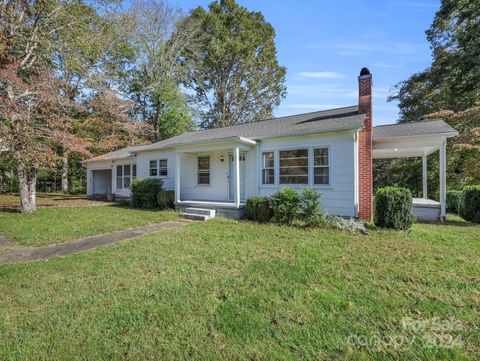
[(324, 44)]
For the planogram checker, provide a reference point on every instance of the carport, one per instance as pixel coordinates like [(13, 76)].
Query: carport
[(418, 140)]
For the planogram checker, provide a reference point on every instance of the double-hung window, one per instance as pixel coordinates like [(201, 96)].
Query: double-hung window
[(321, 166), (203, 170), (153, 172), (268, 168), (163, 167), (158, 168), (294, 166)]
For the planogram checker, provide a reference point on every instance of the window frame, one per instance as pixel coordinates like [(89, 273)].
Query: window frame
[(328, 167), (280, 150), (265, 168), (160, 168), (311, 166), (150, 168), (121, 178), (204, 171)]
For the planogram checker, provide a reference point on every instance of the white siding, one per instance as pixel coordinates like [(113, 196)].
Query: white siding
[(143, 167), (339, 197)]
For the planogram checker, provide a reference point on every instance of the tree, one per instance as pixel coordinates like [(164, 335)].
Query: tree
[(30, 103), (108, 125), (450, 87), (153, 83), (88, 57), (232, 70)]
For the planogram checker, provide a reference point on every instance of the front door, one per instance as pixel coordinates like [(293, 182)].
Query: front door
[(231, 177)]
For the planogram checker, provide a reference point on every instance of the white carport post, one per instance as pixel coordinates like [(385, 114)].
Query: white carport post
[(177, 176), (236, 163), (443, 179), (425, 176)]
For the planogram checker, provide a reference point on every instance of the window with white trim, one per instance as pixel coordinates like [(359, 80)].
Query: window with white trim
[(294, 166), (153, 169), (203, 170), (321, 166), (125, 174), (268, 168), (163, 167), (119, 177)]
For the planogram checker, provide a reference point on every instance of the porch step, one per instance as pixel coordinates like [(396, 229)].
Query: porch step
[(198, 214), (203, 211)]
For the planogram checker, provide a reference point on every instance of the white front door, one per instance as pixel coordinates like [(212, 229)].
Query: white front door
[(231, 177)]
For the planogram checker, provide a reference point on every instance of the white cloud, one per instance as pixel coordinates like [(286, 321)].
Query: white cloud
[(387, 47), (321, 75), (321, 90)]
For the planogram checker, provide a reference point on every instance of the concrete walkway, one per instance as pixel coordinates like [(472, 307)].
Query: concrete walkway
[(83, 244)]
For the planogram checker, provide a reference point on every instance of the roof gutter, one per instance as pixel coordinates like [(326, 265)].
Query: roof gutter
[(238, 139), (442, 134)]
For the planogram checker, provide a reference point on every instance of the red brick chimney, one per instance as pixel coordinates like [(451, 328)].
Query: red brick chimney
[(365, 172)]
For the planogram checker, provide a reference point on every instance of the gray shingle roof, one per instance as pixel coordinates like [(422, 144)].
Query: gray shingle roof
[(315, 122), (424, 127), (117, 154)]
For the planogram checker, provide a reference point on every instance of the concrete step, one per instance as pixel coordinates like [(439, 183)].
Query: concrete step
[(196, 216), (204, 211)]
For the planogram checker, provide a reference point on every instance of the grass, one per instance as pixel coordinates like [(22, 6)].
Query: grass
[(54, 225), (42, 198), (237, 290)]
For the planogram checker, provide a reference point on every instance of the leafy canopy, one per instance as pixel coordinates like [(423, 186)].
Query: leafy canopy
[(232, 70)]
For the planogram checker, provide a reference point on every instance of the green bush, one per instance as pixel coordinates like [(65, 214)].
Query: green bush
[(166, 199), (145, 191), (259, 209), (310, 207), (286, 206), (470, 205), (393, 208), (124, 203), (454, 201)]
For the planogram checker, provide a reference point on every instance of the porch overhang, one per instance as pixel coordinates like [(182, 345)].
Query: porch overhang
[(408, 146), (418, 146)]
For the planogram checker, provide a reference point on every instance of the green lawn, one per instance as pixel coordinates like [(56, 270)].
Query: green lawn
[(226, 290), (53, 225), (43, 199)]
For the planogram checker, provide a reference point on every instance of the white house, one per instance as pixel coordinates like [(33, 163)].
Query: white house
[(331, 150)]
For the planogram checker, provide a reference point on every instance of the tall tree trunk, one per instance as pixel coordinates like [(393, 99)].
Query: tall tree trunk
[(27, 181), (65, 173)]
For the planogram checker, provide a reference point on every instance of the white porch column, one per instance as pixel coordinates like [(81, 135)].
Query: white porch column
[(236, 163), (177, 176), (443, 179), (425, 176)]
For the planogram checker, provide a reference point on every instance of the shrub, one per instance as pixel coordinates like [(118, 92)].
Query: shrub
[(393, 208), (454, 201), (166, 199), (259, 209), (470, 205), (286, 205), (348, 225), (145, 191), (124, 203), (310, 207)]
